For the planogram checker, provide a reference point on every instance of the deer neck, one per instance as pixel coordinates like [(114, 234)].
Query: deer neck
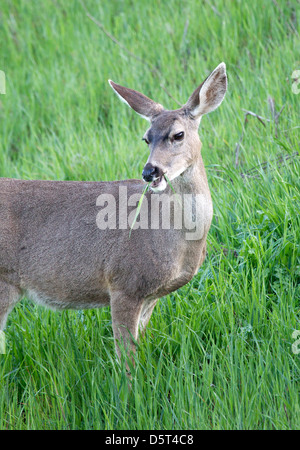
[(193, 180), (193, 188)]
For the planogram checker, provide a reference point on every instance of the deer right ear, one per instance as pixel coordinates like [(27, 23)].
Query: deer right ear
[(210, 94), (141, 104)]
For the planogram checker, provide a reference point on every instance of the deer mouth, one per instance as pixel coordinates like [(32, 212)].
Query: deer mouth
[(158, 184), (156, 181)]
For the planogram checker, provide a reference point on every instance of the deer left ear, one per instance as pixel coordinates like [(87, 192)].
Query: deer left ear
[(210, 94), (141, 104)]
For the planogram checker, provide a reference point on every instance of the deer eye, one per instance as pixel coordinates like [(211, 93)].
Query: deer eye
[(179, 136), (146, 140)]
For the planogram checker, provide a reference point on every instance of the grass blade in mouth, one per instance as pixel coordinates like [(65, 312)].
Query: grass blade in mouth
[(169, 183), (139, 207), (177, 196)]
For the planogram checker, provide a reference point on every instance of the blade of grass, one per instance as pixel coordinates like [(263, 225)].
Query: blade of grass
[(177, 197), (139, 207), (169, 183)]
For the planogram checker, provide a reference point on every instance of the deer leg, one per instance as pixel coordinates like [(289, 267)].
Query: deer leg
[(9, 296), (125, 320), (147, 309)]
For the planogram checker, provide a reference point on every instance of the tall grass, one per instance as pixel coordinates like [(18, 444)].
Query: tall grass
[(217, 353)]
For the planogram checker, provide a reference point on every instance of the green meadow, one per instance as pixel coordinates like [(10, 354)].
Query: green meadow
[(219, 353)]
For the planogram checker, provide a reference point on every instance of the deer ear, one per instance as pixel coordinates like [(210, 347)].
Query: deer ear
[(210, 94), (141, 104)]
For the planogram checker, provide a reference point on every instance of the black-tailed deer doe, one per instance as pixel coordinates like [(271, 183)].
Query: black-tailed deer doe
[(56, 249)]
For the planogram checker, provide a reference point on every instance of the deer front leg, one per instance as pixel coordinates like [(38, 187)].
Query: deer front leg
[(125, 320)]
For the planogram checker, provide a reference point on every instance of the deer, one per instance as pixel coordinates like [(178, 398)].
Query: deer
[(53, 252)]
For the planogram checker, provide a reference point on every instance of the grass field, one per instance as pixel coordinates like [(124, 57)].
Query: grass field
[(217, 353)]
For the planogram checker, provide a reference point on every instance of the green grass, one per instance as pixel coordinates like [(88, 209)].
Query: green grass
[(217, 353)]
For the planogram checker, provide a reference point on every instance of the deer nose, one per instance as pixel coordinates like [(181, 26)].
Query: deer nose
[(149, 172)]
